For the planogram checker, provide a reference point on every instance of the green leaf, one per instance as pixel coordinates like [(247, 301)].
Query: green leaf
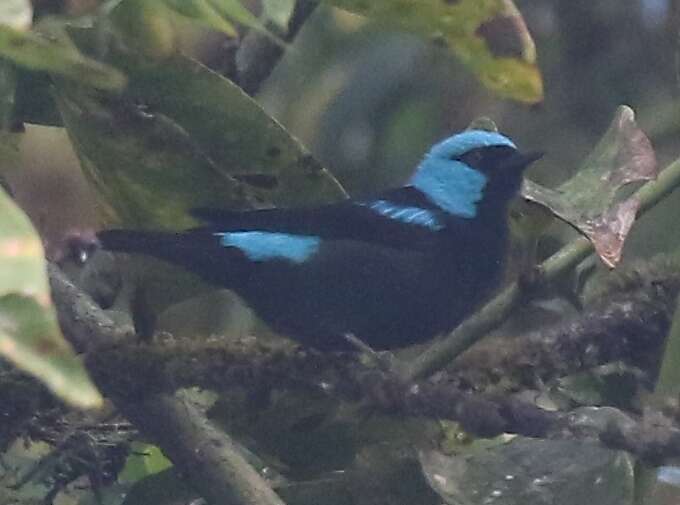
[(611, 384), (234, 131), (16, 13), (29, 332), (206, 144), (36, 51), (489, 36), (145, 168), (143, 460), (527, 471), (168, 487)]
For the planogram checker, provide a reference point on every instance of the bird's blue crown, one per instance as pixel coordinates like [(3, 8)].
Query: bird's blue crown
[(461, 143), (449, 183)]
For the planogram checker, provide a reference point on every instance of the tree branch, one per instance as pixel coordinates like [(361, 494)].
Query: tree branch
[(207, 456), (637, 318)]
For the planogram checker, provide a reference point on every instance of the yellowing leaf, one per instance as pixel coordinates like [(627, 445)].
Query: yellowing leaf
[(29, 332), (489, 36)]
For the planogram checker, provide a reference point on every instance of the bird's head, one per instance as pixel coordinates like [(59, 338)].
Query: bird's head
[(475, 165)]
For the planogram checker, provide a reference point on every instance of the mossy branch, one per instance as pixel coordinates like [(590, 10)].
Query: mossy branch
[(139, 376)]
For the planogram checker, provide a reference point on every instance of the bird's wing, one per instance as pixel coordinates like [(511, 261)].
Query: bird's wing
[(398, 218)]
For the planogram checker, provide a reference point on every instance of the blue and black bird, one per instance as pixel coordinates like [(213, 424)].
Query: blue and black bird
[(392, 270)]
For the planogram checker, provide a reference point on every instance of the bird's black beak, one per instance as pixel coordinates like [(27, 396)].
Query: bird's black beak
[(519, 161)]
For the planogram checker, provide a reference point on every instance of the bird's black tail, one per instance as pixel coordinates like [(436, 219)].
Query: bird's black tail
[(193, 250), (152, 243)]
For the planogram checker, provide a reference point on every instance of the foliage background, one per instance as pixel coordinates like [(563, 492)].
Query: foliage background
[(368, 101)]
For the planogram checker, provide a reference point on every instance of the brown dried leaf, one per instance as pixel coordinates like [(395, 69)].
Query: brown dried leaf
[(590, 200)]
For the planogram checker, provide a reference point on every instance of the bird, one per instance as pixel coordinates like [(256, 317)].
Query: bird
[(394, 269)]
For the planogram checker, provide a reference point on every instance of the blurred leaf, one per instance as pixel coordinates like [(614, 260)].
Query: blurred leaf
[(588, 201), (483, 123), (329, 489), (278, 11), (304, 432), (218, 312), (145, 167), (143, 460), (37, 51), (17, 14), (144, 27), (611, 384), (29, 333), (217, 14), (8, 85), (164, 488), (385, 473), (668, 381), (528, 472), (489, 36), (34, 103), (9, 151)]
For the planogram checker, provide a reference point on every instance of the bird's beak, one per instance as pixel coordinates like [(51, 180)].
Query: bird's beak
[(519, 161)]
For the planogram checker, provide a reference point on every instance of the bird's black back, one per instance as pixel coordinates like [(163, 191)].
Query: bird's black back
[(392, 270)]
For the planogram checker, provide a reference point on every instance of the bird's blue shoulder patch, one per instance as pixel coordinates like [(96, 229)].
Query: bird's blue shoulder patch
[(459, 144), (451, 185), (405, 214), (264, 246)]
